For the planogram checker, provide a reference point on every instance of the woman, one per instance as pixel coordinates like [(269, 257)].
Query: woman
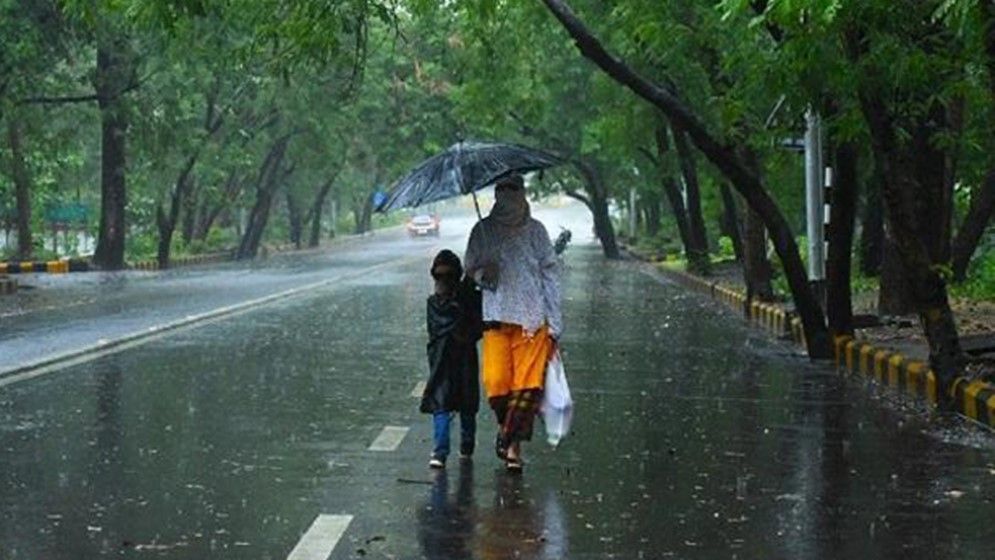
[(511, 257)]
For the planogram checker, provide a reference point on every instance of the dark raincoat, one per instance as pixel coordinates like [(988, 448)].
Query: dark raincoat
[(454, 327)]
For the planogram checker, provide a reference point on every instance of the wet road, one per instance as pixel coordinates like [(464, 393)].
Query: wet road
[(694, 438)]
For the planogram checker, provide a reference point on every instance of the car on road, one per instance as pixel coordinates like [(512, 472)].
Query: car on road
[(423, 224)]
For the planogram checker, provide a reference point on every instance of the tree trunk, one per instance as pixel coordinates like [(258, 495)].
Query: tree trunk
[(894, 293), (973, 228), (190, 209), (316, 209), (902, 194), (757, 271), (843, 209), (295, 219), (362, 211), (114, 73), (872, 228), (730, 221), (207, 217), (725, 159), (934, 202), (167, 222), (671, 189), (698, 258), (928, 215), (22, 190), (598, 193), (334, 215), (651, 211), (269, 180), (603, 227)]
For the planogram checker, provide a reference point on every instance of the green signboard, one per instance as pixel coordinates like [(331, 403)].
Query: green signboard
[(71, 213)]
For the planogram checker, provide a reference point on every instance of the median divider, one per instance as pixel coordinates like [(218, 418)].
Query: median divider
[(210, 258), (61, 266), (974, 399)]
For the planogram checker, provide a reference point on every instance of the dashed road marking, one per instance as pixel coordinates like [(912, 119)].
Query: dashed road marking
[(419, 389), (389, 439), (321, 538)]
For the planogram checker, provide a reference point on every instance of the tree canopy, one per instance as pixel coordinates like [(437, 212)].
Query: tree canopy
[(198, 125)]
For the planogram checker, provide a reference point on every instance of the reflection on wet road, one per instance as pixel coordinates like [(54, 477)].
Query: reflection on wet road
[(694, 438)]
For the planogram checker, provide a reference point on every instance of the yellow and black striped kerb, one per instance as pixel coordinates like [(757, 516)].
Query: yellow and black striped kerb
[(51, 267), (183, 261), (24, 267), (975, 399), (886, 367)]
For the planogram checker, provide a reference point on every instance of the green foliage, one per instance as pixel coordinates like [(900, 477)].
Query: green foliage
[(980, 283), (726, 249), (367, 88)]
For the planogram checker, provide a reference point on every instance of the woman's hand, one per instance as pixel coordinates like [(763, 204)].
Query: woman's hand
[(488, 276)]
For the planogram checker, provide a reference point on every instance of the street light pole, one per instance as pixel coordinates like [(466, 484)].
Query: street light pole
[(814, 202)]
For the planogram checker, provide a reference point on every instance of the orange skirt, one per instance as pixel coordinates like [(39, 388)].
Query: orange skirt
[(514, 362)]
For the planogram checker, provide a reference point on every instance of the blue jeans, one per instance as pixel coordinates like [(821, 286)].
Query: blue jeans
[(467, 429)]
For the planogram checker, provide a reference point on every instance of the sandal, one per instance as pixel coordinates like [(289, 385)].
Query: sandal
[(514, 465), (500, 448)]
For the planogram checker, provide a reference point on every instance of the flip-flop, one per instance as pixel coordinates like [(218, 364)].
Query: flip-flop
[(500, 448), (514, 465)]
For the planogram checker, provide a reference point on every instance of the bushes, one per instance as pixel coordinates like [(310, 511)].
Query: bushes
[(980, 283)]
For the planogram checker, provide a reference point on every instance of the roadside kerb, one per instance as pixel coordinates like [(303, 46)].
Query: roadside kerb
[(209, 258), (58, 361), (64, 266), (768, 316), (53, 267), (974, 399)]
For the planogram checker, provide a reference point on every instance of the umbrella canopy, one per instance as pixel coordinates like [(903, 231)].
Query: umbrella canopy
[(463, 168)]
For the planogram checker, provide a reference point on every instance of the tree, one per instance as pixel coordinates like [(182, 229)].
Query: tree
[(541, 96), (22, 188), (725, 158)]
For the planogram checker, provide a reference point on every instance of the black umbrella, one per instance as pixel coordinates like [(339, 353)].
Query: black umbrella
[(464, 168)]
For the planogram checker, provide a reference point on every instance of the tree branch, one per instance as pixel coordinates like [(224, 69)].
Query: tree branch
[(58, 100), (725, 158), (82, 98), (578, 196), (649, 155)]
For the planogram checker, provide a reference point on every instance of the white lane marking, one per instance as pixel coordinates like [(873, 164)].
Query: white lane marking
[(320, 539), (389, 439), (419, 389), (105, 347)]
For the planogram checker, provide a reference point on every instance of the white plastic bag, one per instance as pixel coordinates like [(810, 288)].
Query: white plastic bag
[(557, 405)]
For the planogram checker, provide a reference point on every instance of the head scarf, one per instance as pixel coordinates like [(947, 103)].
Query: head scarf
[(511, 209)]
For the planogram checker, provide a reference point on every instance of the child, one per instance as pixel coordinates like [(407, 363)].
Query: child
[(454, 326)]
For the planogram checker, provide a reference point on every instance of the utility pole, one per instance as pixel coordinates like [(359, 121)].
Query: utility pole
[(815, 204)]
